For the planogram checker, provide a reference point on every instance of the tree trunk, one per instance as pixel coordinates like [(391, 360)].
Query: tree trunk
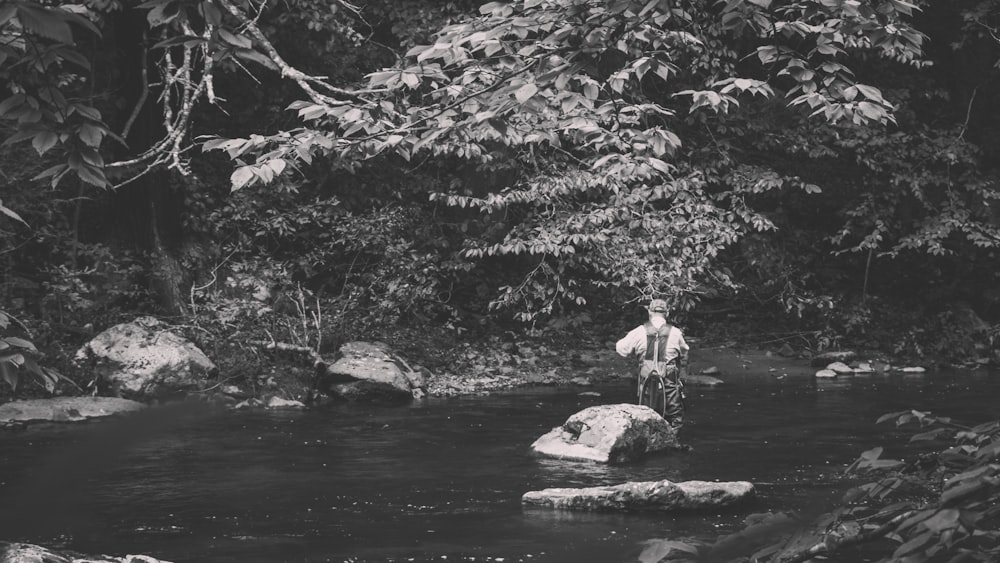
[(150, 209)]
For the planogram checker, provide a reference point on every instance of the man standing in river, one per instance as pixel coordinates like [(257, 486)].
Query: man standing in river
[(657, 341)]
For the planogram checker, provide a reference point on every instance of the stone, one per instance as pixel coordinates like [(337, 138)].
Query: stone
[(696, 380), (644, 496), (616, 433), (826, 374), (366, 372), (840, 367), (279, 403), (248, 404), (786, 350), (826, 358), (864, 367), (711, 370), (66, 409), (417, 377), (916, 369), (581, 381), (143, 360), (30, 553)]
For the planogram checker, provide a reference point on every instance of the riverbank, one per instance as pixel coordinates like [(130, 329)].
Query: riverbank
[(452, 363)]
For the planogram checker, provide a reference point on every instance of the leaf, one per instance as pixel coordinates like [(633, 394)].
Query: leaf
[(13, 215), (87, 111), (44, 141), (45, 22), (762, 3), (20, 343), (240, 177), (7, 12), (211, 13), (254, 56), (525, 93), (162, 13), (51, 171), (966, 488), (8, 373), (913, 545), (943, 520), (277, 166), (92, 175), (235, 40), (91, 134), (10, 103), (410, 79), (872, 454), (929, 435), (870, 92)]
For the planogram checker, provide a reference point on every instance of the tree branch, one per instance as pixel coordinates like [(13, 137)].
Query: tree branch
[(832, 544)]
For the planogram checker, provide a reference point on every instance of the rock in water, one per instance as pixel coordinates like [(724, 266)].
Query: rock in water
[(366, 371), (66, 409), (840, 368), (143, 360), (29, 553), (648, 495), (609, 434), (826, 358), (697, 380)]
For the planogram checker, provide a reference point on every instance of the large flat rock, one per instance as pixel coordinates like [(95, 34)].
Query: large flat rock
[(65, 409), (644, 496), (30, 553)]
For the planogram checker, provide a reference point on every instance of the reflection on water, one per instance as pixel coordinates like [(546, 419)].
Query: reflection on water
[(438, 480)]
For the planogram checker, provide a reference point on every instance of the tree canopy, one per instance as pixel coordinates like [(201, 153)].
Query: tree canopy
[(536, 156)]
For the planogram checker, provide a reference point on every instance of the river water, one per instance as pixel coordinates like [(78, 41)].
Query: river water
[(438, 480)]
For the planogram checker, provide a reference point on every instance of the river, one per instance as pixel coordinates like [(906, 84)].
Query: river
[(438, 480)]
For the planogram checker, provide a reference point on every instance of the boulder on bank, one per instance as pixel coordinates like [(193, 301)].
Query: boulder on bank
[(143, 360), (65, 409), (648, 496), (609, 434), (30, 553), (824, 359), (370, 371)]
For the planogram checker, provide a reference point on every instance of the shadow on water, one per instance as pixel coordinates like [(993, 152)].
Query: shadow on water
[(438, 480)]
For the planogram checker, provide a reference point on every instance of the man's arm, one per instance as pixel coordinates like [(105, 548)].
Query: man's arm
[(630, 344)]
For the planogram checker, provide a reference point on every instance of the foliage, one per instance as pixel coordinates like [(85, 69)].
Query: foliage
[(19, 359), (795, 157), (941, 505), (581, 105)]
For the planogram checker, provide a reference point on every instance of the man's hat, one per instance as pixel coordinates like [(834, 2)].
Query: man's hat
[(657, 306)]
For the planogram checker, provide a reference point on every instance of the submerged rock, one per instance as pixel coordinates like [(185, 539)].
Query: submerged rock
[(698, 380), (609, 434), (66, 409), (143, 360), (648, 495), (30, 553)]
